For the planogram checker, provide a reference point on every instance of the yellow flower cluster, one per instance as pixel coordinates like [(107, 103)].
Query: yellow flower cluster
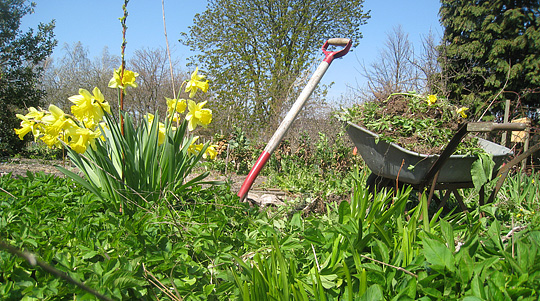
[(80, 129), (123, 81), (524, 213), (196, 115), (54, 126), (432, 99)]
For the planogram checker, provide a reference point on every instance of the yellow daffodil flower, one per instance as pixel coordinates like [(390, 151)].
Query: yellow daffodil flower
[(51, 140), (195, 148), (195, 83), (175, 106), (211, 152), (26, 127), (89, 108), (197, 115), (128, 80), (34, 114), (79, 138), (28, 123), (55, 121), (56, 132), (462, 111), (431, 99)]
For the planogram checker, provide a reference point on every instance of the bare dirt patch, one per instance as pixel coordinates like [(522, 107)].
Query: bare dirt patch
[(18, 167)]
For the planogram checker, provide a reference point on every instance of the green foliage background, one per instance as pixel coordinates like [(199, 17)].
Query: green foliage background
[(21, 56), (254, 51), (489, 47), (205, 244)]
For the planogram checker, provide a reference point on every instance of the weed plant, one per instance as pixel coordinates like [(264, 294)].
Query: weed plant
[(325, 170)]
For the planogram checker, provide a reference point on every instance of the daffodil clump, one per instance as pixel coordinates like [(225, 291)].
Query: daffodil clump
[(421, 123), (122, 161), (79, 129)]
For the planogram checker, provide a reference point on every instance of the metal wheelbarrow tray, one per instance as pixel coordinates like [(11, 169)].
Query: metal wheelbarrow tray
[(392, 161), (389, 162)]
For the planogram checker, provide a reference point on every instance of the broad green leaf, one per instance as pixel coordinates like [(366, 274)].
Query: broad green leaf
[(478, 287), (482, 170), (472, 298), (328, 281), (438, 254), (494, 233), (374, 292), (448, 234)]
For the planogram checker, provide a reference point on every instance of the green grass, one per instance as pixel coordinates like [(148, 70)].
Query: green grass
[(206, 245)]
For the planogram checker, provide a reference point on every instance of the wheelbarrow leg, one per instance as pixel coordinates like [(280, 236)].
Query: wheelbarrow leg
[(446, 153), (459, 198), (503, 171), (432, 188), (444, 199)]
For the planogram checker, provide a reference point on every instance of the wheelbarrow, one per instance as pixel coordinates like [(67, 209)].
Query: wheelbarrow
[(392, 165)]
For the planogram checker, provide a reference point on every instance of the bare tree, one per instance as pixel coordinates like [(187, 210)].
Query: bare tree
[(101, 69), (393, 70), (75, 70), (155, 82), (430, 70)]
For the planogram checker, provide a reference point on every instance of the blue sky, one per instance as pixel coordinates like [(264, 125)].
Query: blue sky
[(95, 23)]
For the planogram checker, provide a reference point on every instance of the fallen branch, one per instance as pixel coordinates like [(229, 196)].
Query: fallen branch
[(512, 232), (389, 265), (155, 282), (11, 195), (33, 261)]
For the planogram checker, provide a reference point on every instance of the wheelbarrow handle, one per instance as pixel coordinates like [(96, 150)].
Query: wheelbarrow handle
[(492, 126)]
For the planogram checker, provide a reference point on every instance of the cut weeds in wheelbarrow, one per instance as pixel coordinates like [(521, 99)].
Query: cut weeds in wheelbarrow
[(392, 164)]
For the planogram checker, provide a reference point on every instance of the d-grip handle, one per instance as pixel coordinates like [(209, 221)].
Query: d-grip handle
[(338, 41), (330, 55)]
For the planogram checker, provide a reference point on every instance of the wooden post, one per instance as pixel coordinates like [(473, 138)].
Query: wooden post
[(504, 140), (526, 146)]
